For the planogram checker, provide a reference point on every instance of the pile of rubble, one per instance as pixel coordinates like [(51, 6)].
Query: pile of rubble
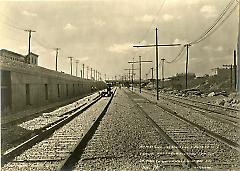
[(221, 98), (233, 100)]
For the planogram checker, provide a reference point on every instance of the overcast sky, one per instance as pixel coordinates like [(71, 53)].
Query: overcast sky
[(100, 33)]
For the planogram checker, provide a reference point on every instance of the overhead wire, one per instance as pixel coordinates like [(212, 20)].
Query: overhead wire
[(12, 26), (215, 29), (154, 19), (177, 57), (222, 14), (10, 23), (42, 42)]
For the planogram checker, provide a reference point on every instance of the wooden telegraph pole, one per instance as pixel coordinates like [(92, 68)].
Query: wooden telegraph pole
[(27, 59), (140, 70), (77, 61), (132, 62), (156, 46), (57, 50), (71, 58)]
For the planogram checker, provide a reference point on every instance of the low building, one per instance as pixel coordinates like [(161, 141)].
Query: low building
[(12, 55), (33, 59), (18, 57)]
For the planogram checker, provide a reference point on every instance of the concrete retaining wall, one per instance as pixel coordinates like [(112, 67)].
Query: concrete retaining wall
[(33, 86)]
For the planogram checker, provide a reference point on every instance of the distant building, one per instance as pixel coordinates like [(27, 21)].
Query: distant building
[(33, 59), (223, 73), (12, 55), (18, 57), (178, 81)]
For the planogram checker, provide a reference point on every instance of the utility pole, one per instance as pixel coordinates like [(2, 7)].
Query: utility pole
[(81, 73), (231, 82), (83, 70), (235, 69), (87, 71), (27, 59), (152, 75), (238, 53), (71, 58), (140, 70), (105, 77), (91, 74), (231, 77), (162, 72), (157, 63), (96, 74), (129, 73), (187, 45), (132, 62), (77, 61), (57, 49), (156, 46)]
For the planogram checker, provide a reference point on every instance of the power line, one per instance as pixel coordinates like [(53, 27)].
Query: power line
[(12, 26), (158, 12), (180, 53), (41, 44), (215, 29), (214, 24), (10, 22)]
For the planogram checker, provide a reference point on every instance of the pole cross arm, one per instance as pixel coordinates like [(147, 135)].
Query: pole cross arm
[(30, 30), (132, 62), (227, 65), (130, 69), (146, 61), (187, 45), (157, 45)]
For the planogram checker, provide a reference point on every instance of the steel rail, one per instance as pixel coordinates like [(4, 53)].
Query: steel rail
[(39, 113), (226, 141), (43, 133), (77, 151), (181, 153), (234, 119)]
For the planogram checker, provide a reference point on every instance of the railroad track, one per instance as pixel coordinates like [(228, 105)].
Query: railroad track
[(16, 121), (55, 146), (231, 118), (223, 127), (202, 148), (230, 114), (126, 140), (38, 124), (207, 104)]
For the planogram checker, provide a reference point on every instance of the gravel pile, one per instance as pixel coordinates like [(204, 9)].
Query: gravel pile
[(47, 154), (125, 140)]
